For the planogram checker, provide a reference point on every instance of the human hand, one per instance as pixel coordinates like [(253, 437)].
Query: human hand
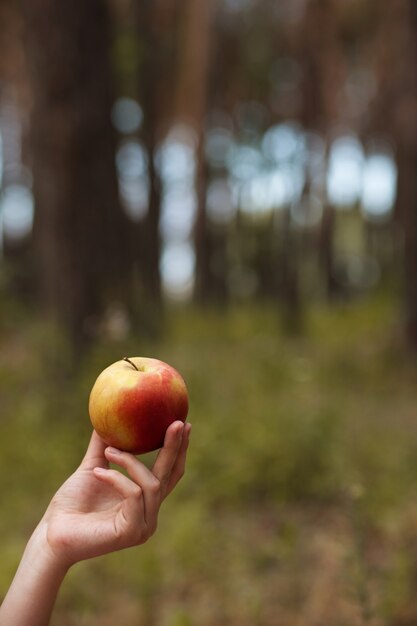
[(99, 510)]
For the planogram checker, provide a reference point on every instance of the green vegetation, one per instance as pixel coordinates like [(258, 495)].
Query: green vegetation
[(299, 504)]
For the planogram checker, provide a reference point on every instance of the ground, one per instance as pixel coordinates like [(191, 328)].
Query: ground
[(299, 506)]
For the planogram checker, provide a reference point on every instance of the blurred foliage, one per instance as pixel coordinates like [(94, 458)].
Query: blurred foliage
[(299, 499), (243, 156)]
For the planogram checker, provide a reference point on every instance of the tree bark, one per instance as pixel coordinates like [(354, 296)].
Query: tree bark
[(407, 205), (191, 108), (323, 75), (407, 182), (79, 226), (399, 77), (156, 29), (151, 73)]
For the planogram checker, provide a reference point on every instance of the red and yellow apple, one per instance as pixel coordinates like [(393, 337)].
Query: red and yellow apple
[(133, 401)]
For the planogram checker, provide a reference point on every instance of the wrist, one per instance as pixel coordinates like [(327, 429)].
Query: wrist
[(32, 594), (41, 556)]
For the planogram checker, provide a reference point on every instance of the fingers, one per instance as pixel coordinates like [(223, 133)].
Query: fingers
[(167, 455), (167, 470), (178, 469), (134, 509), (127, 488), (94, 456), (143, 478)]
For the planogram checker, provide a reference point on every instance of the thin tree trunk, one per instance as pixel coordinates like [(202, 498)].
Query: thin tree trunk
[(292, 310), (150, 21), (192, 103), (326, 251), (401, 18), (322, 79), (407, 186), (407, 208)]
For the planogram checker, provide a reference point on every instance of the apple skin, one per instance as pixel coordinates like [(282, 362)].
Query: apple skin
[(132, 408)]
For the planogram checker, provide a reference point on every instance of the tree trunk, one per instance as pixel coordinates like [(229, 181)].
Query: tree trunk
[(152, 241), (292, 309), (401, 18), (326, 252), (407, 207), (323, 75), (79, 226), (407, 185), (153, 19), (191, 108)]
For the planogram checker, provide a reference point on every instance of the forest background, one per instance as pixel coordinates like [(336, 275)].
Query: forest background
[(230, 186)]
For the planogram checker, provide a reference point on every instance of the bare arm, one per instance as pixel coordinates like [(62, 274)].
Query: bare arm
[(32, 594), (96, 511)]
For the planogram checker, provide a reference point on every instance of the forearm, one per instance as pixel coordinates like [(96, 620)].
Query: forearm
[(33, 592)]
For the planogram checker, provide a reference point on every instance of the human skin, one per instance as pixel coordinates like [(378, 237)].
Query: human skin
[(96, 511)]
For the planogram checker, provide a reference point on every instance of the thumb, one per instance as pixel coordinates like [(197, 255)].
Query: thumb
[(94, 456)]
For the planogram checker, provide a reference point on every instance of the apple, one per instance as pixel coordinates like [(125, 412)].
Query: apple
[(133, 401)]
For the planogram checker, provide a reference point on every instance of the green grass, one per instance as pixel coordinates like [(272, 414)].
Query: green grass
[(299, 503)]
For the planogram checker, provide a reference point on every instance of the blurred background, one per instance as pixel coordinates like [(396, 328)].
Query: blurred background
[(230, 186)]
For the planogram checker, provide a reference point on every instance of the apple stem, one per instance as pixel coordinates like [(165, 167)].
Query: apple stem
[(125, 358)]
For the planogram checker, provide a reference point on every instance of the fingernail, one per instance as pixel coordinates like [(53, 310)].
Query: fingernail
[(113, 451), (189, 427), (100, 470)]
